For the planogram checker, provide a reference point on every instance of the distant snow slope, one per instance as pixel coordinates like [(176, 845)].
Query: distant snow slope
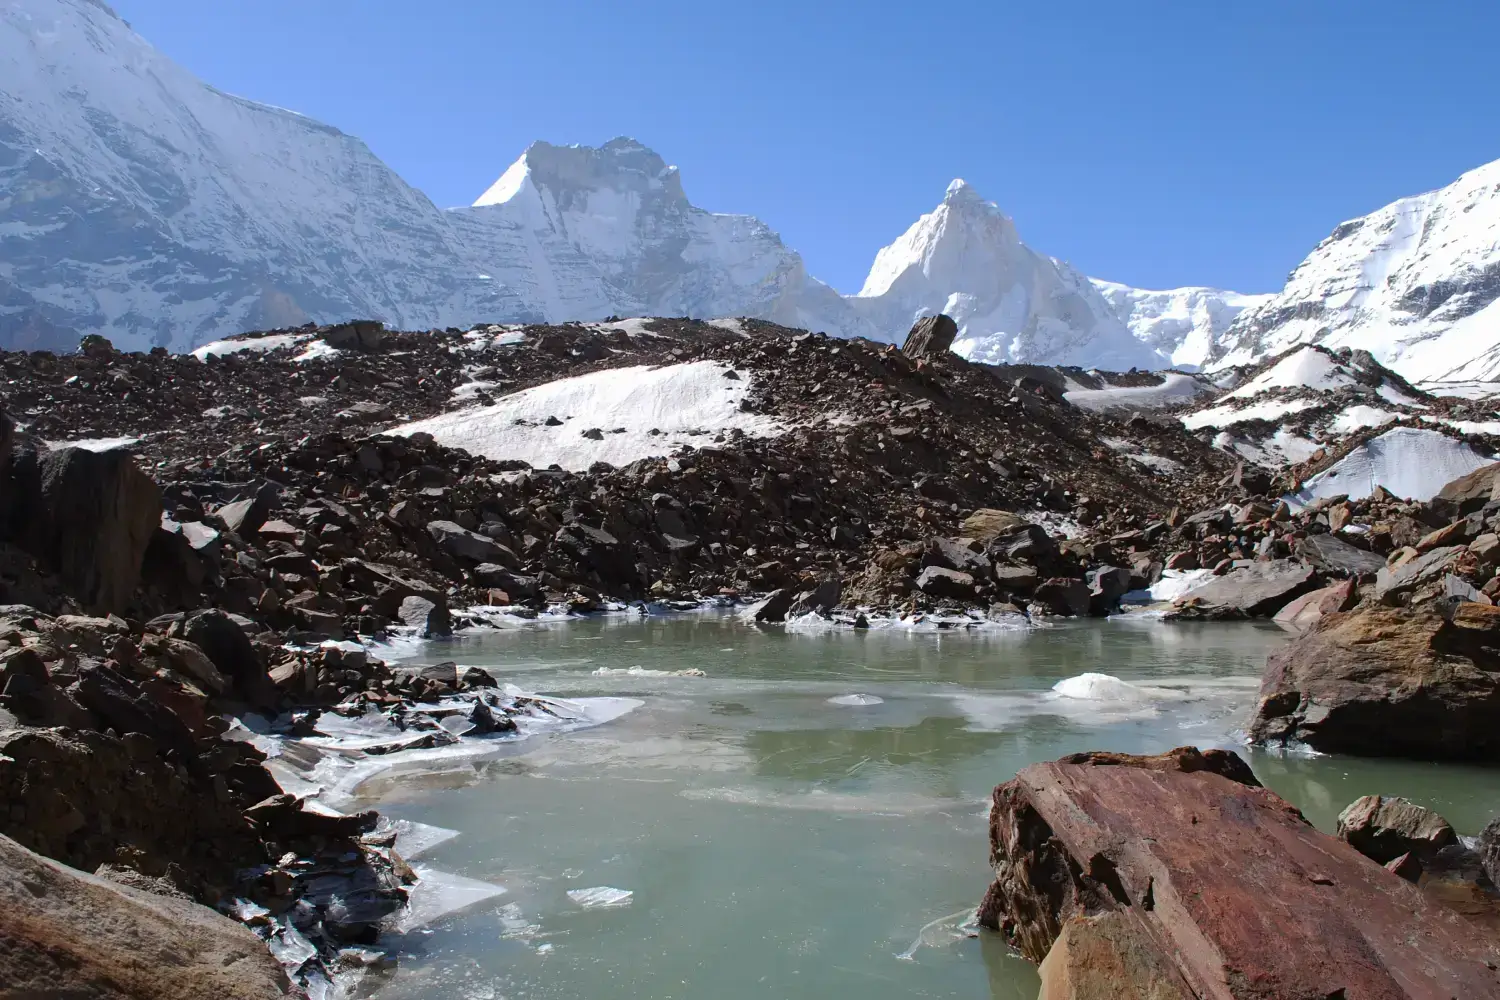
[(1012, 304), (1410, 462), (1183, 324), (137, 202), (617, 416), (1417, 284)]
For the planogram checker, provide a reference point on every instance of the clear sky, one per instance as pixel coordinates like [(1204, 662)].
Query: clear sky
[(1151, 142)]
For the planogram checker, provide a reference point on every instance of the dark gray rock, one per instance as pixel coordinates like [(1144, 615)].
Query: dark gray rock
[(244, 517), (461, 543), (1107, 584), (823, 598), (952, 584), (362, 335), (1062, 596), (1392, 585), (224, 642), (1489, 849), (429, 618), (1257, 590), (100, 512), (772, 608), (1383, 829), (930, 337), (1332, 554)]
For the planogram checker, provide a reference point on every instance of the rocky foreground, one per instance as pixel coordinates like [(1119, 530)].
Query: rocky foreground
[(191, 546)]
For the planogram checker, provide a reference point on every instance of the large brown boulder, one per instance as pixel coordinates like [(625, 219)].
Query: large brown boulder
[(99, 511), (1178, 876), (1384, 682), (64, 933)]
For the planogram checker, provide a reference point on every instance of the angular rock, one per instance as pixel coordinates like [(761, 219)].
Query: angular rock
[(598, 550), (1062, 596), (1489, 849), (64, 933), (244, 517), (1217, 888), (771, 608), (100, 513), (225, 643), (1334, 555), (429, 618), (822, 599), (1394, 584), (1304, 612), (1383, 682), (1384, 829), (949, 584), (462, 543), (363, 335), (1107, 584), (1257, 590), (1015, 579), (1470, 492), (986, 524), (930, 337), (1108, 957)]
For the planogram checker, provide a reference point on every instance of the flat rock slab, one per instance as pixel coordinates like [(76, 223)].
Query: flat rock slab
[(64, 933), (1215, 888), (1257, 590)]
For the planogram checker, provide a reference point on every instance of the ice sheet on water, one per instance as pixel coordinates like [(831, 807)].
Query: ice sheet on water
[(639, 671), (438, 894), (943, 931), (414, 839), (600, 896)]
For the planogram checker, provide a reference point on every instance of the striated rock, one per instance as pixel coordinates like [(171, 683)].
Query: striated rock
[(1394, 583), (1384, 829), (1489, 849), (950, 584), (1471, 492), (429, 618), (1334, 555), (100, 511), (930, 337), (462, 543), (1212, 887), (1256, 590), (1388, 682), (64, 933), (771, 608)]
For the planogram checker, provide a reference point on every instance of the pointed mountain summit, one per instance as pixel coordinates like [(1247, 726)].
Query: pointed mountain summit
[(1012, 304)]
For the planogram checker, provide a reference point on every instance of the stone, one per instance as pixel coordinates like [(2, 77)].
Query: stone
[(1306, 611), (226, 645), (1334, 555), (1392, 585), (100, 512), (771, 608), (1453, 534), (1489, 849), (64, 933), (930, 337), (1215, 886), (1107, 584), (462, 543), (514, 584), (985, 525), (362, 335), (1384, 829), (1015, 579), (429, 618), (1469, 493), (596, 549), (1256, 590), (1107, 957), (366, 411), (1380, 682), (282, 816), (822, 599), (950, 584), (244, 517), (1063, 596)]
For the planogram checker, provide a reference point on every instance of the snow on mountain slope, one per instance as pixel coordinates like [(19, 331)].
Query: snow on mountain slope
[(137, 202), (1416, 283), (1012, 304), (1184, 324), (584, 233)]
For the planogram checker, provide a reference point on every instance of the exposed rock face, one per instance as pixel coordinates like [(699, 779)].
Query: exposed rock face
[(1306, 611), (1388, 682), (1258, 589), (100, 512), (931, 336), (64, 933), (1213, 887)]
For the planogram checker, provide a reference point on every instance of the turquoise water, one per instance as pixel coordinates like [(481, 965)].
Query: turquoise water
[(779, 843)]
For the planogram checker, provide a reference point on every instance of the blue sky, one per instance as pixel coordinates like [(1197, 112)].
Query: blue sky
[(1151, 142)]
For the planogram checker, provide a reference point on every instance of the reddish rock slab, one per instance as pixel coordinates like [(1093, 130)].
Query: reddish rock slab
[(1239, 896)]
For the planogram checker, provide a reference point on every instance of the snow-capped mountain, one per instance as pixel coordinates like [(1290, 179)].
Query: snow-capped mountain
[(582, 233), (1184, 324), (1012, 304), (137, 202), (1416, 284)]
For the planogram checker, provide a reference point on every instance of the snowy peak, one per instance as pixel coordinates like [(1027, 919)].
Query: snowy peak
[(1012, 304), (1184, 324), (1415, 283), (572, 172)]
